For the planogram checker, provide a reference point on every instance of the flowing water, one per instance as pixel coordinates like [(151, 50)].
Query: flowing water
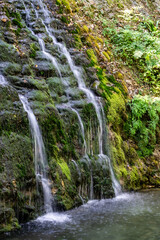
[(40, 160), (42, 14), (3, 81), (127, 217)]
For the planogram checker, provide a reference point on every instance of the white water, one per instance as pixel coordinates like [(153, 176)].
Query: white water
[(68, 106), (77, 73), (40, 40), (116, 186), (54, 217), (41, 165), (82, 128), (3, 81), (77, 168), (81, 84)]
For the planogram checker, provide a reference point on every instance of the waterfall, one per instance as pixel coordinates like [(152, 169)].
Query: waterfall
[(40, 40), (76, 70), (41, 165), (82, 128), (116, 186), (42, 14), (3, 81)]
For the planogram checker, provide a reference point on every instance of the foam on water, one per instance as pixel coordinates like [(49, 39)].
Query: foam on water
[(124, 196), (54, 217), (3, 81)]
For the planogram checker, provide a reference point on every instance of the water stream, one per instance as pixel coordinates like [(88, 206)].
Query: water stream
[(3, 81), (41, 165), (43, 15)]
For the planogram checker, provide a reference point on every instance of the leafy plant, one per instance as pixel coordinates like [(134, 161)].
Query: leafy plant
[(139, 47), (143, 121)]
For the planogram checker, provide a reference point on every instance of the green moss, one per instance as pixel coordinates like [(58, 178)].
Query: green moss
[(64, 5), (123, 172), (59, 2), (134, 175), (13, 69), (65, 169), (7, 52), (99, 40), (92, 56), (12, 14), (107, 56), (116, 109), (17, 22), (85, 29), (78, 42), (16, 15), (65, 19), (33, 49), (40, 96), (17, 31)]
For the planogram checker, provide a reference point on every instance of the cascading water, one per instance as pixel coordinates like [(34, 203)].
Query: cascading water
[(41, 164), (116, 186), (40, 40), (76, 70), (3, 81), (82, 128), (43, 15)]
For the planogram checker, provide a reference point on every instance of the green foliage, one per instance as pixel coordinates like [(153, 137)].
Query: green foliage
[(116, 109), (92, 57), (17, 22), (103, 78), (16, 19), (65, 169), (139, 47), (12, 14), (33, 49), (143, 121), (64, 6), (65, 19)]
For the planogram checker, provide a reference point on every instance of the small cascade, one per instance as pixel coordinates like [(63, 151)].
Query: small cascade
[(49, 56), (3, 81), (77, 168), (42, 14), (91, 187), (81, 84), (41, 165), (40, 40), (76, 70), (82, 128), (116, 186)]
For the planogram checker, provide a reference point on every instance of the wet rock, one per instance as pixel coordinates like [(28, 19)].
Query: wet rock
[(44, 68), (8, 53), (13, 69), (9, 37), (8, 221)]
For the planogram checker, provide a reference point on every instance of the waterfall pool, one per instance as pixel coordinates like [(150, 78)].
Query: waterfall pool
[(130, 216)]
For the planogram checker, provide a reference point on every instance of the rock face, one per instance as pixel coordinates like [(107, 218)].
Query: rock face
[(52, 92)]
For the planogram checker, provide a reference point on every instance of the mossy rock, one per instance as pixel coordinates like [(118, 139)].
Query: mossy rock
[(8, 222), (13, 69), (8, 53), (92, 56), (116, 110)]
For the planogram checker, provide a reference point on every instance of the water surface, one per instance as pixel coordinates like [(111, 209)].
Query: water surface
[(134, 216)]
